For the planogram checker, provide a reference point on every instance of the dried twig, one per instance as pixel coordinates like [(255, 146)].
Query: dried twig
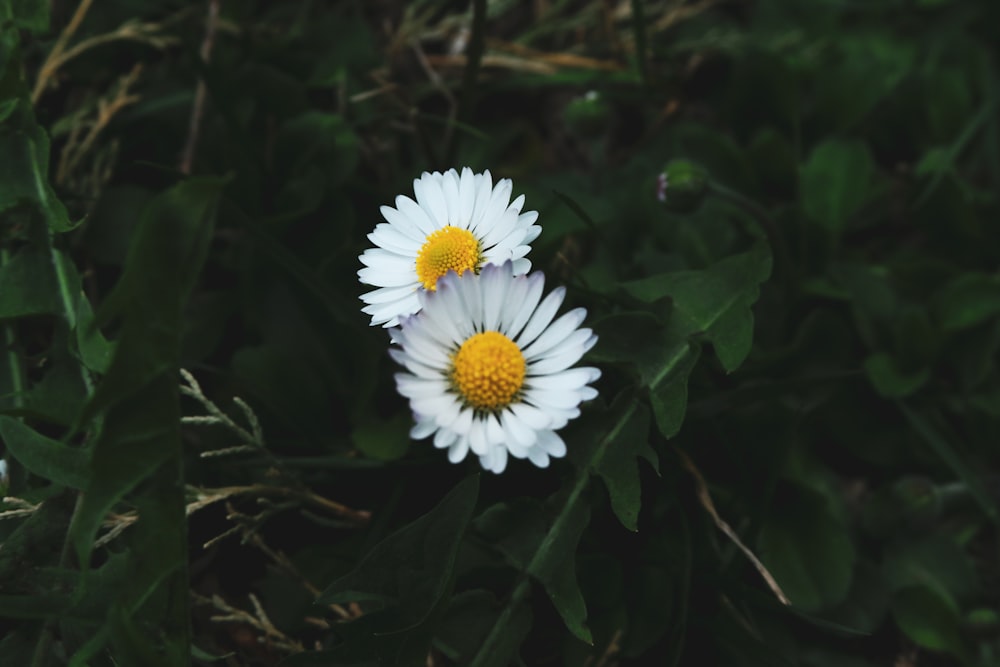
[(258, 620), (107, 107), (706, 501), (23, 507)]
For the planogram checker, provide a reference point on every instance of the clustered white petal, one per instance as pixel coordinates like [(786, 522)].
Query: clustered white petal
[(488, 368), (468, 201), (495, 300)]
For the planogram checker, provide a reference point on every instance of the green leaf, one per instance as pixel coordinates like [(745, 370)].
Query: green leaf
[(617, 466), (28, 14), (669, 395), (24, 176), (28, 286), (929, 619), (43, 456), (554, 565), (714, 302), (469, 618), (139, 397), (835, 182), (889, 381), (807, 550), (966, 301), (409, 571), (952, 458)]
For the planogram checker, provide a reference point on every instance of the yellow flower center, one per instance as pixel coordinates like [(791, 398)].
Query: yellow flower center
[(447, 249), (488, 370)]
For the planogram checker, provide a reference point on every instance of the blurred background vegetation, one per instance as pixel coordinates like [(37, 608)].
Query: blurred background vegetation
[(187, 185)]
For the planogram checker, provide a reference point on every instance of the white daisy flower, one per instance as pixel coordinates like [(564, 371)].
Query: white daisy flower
[(457, 223), (488, 370)]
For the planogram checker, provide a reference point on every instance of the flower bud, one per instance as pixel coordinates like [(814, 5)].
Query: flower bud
[(682, 186), (587, 116)]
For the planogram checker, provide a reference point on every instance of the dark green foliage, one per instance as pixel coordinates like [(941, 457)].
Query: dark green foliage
[(780, 217)]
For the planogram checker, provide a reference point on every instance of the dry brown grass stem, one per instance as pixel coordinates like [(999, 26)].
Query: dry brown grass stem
[(107, 107), (148, 33), (701, 489), (21, 507), (268, 634)]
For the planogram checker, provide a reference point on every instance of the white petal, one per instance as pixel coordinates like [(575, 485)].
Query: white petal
[(431, 199), (568, 380), (458, 450), (531, 416), (477, 437), (565, 356), (552, 444), (417, 215), (541, 317), (557, 332), (444, 438), (402, 224), (517, 311), (466, 197), (555, 399), (422, 429), (538, 457)]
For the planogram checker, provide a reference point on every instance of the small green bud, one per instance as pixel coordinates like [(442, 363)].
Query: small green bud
[(587, 116), (682, 186)]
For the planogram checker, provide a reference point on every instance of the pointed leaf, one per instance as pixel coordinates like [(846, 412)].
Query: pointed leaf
[(43, 456), (554, 566), (618, 466), (714, 302), (835, 182), (410, 569)]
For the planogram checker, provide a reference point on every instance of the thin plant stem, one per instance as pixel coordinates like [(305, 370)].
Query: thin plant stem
[(201, 92), (54, 59), (473, 60)]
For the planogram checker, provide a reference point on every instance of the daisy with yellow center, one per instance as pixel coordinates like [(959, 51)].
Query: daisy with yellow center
[(489, 368), (456, 223)]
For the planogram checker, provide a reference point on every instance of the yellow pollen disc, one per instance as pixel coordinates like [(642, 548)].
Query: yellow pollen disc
[(488, 370), (447, 249)]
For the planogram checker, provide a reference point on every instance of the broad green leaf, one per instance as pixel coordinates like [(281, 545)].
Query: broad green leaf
[(944, 449), (43, 456), (408, 572), (889, 381), (469, 618), (714, 302), (669, 395), (807, 550), (617, 466), (835, 182), (24, 176), (929, 619), (28, 14), (27, 285), (966, 301), (518, 531), (139, 397), (554, 566), (160, 270), (935, 562)]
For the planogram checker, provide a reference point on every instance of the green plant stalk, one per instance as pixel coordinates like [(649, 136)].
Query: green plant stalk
[(764, 220), (490, 644), (13, 360), (473, 59), (68, 302)]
